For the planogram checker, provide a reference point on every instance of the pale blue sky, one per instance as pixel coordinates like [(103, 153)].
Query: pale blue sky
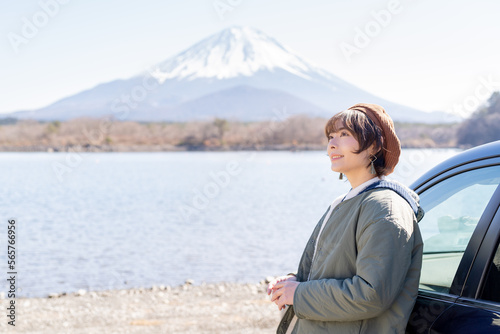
[(432, 55)]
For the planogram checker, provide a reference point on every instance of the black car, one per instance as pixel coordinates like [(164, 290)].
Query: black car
[(460, 280)]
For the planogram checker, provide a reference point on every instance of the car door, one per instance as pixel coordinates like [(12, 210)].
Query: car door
[(477, 310), (460, 205)]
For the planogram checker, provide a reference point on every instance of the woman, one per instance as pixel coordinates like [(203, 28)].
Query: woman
[(360, 270)]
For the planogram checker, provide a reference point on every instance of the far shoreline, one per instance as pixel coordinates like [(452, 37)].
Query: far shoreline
[(164, 148), (188, 284)]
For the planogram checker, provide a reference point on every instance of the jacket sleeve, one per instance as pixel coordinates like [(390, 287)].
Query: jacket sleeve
[(384, 257)]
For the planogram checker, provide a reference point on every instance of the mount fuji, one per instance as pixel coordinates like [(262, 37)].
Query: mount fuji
[(238, 74)]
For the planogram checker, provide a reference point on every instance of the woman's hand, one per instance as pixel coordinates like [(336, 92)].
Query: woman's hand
[(283, 289), (278, 280)]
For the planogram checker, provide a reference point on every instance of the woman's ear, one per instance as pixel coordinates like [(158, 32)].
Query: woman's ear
[(373, 149)]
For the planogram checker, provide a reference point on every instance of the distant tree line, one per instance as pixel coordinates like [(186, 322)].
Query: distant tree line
[(483, 126), (296, 132), (111, 135)]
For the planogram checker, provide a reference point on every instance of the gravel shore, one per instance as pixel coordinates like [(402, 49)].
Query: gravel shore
[(205, 308)]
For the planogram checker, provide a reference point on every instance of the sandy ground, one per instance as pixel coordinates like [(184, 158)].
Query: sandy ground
[(206, 308)]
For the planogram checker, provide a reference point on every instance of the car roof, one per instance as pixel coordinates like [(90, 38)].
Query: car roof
[(479, 153)]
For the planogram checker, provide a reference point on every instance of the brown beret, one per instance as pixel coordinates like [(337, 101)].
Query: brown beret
[(391, 144)]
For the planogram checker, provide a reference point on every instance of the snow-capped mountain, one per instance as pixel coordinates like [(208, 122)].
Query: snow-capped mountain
[(239, 73), (232, 53)]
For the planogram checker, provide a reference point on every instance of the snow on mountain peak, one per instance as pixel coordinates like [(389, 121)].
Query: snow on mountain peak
[(235, 51)]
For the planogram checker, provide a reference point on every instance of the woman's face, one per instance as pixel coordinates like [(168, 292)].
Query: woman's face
[(341, 147)]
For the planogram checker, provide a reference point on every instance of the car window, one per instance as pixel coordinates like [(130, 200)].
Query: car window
[(491, 289), (452, 210)]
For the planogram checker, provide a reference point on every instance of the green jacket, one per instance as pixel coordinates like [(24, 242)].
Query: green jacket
[(364, 278)]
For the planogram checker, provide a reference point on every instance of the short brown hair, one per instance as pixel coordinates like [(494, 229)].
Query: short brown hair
[(364, 130)]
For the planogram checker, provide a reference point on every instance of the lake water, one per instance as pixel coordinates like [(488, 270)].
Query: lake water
[(100, 221)]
